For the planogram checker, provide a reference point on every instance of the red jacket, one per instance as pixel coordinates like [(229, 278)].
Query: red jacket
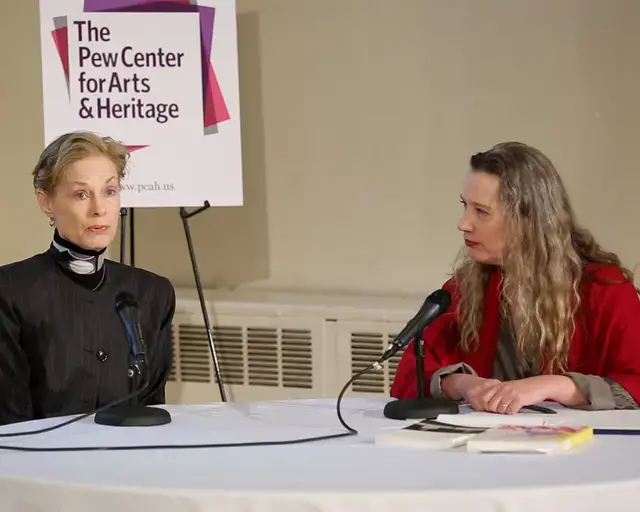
[(606, 341)]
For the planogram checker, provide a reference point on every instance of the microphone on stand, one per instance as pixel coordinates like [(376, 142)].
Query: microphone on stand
[(133, 415), (421, 407)]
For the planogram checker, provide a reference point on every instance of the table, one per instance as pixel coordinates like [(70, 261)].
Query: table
[(347, 474)]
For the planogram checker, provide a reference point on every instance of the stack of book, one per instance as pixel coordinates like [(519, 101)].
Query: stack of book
[(526, 432)]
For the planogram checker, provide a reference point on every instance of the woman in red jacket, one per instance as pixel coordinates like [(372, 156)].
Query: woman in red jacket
[(539, 311)]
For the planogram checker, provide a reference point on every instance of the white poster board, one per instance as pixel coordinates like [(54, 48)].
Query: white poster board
[(160, 77)]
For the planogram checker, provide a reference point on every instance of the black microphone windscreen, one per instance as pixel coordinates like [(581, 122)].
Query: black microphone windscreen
[(442, 298), (125, 299)]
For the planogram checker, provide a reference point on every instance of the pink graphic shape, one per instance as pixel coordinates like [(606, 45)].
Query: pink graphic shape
[(61, 40), (215, 109)]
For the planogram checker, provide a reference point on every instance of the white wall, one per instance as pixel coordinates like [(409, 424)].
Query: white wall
[(359, 117)]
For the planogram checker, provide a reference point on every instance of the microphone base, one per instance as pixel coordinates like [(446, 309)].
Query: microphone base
[(132, 416), (420, 408)]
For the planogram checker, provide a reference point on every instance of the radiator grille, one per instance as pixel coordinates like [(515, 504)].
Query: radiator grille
[(253, 355), (297, 370), (366, 348)]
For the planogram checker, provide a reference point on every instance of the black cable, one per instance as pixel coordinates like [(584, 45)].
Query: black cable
[(350, 431), (344, 390), (174, 446), (73, 420)]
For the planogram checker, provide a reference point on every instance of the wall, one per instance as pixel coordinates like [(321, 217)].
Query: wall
[(358, 121), (23, 227)]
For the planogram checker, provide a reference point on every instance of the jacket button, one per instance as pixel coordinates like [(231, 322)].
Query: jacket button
[(101, 356)]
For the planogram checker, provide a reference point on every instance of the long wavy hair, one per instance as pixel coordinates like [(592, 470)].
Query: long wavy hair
[(543, 262)]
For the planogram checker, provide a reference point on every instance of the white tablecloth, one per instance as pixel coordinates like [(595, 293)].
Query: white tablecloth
[(338, 475)]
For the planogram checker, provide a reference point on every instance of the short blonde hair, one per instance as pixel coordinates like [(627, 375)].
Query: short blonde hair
[(70, 148)]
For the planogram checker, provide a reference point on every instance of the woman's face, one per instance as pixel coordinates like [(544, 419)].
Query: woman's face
[(482, 222), (85, 204)]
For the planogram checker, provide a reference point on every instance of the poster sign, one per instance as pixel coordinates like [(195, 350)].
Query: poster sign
[(159, 76)]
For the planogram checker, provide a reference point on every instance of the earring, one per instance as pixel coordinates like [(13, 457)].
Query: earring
[(52, 222)]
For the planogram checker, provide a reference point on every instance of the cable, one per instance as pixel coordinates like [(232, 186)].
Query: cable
[(355, 377), (73, 420), (350, 430), (174, 446)]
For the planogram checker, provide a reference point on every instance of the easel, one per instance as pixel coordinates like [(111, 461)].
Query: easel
[(187, 232)]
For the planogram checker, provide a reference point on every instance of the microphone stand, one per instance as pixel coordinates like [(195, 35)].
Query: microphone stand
[(420, 407), (133, 414)]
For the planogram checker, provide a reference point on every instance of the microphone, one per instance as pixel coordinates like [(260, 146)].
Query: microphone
[(421, 407), (133, 415), (433, 306), (129, 313)]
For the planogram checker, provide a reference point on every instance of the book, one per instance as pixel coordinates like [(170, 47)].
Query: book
[(427, 434), (608, 422), (492, 420), (546, 439)]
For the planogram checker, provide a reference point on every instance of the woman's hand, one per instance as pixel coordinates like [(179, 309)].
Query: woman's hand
[(511, 396), (456, 386), (506, 397)]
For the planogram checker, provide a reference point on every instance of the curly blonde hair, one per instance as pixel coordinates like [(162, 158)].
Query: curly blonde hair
[(544, 262)]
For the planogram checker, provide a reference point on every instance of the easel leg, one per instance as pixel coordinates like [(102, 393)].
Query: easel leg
[(214, 354), (132, 240), (123, 235), (124, 212)]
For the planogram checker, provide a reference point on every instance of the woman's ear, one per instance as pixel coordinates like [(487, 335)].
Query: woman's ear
[(44, 200)]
